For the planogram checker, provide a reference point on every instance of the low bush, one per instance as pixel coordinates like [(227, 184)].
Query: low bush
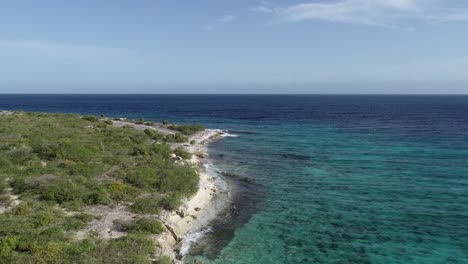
[(46, 149), (69, 192), (182, 180), (147, 205), (146, 225), (171, 201), (23, 208), (154, 203), (20, 155), (7, 246), (77, 221), (161, 150), (5, 199), (91, 118), (153, 134), (187, 129), (119, 191), (175, 138), (164, 260), (144, 177), (181, 152), (134, 248)]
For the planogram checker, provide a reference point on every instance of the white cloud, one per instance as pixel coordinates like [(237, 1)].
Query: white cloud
[(263, 9), (387, 13), (220, 22), (449, 15), (57, 50)]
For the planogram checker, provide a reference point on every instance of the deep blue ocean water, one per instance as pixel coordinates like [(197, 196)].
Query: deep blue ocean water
[(330, 179)]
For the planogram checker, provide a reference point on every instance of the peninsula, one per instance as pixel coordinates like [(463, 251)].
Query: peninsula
[(87, 189)]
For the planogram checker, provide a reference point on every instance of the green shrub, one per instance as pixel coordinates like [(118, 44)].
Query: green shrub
[(46, 218), (109, 122), (146, 225), (19, 185), (70, 150), (87, 169), (96, 195), (23, 208), (187, 129), (5, 199), (102, 125), (147, 205), (193, 142), (7, 245), (177, 137), (91, 118), (46, 149), (70, 192), (20, 155), (140, 121), (160, 150), (134, 248), (58, 190), (140, 150), (165, 122), (164, 260), (171, 201), (153, 134), (144, 177), (77, 221), (48, 252), (122, 192), (181, 152)]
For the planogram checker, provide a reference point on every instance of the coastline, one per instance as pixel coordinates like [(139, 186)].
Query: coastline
[(192, 219), (183, 225)]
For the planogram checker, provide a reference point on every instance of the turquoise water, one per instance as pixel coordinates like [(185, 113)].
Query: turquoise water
[(321, 179), (347, 198)]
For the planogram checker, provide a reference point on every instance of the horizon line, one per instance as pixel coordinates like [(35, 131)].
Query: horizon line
[(245, 94)]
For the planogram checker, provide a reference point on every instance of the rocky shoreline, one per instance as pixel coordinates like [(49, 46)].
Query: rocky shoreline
[(196, 212)]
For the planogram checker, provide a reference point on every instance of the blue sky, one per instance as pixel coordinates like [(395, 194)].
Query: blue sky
[(221, 46)]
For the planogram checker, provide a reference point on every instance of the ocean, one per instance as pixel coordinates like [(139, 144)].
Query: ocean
[(319, 178)]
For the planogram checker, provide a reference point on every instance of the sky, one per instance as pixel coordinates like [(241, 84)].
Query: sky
[(221, 46)]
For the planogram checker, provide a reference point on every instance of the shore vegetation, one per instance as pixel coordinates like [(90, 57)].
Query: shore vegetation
[(58, 165)]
